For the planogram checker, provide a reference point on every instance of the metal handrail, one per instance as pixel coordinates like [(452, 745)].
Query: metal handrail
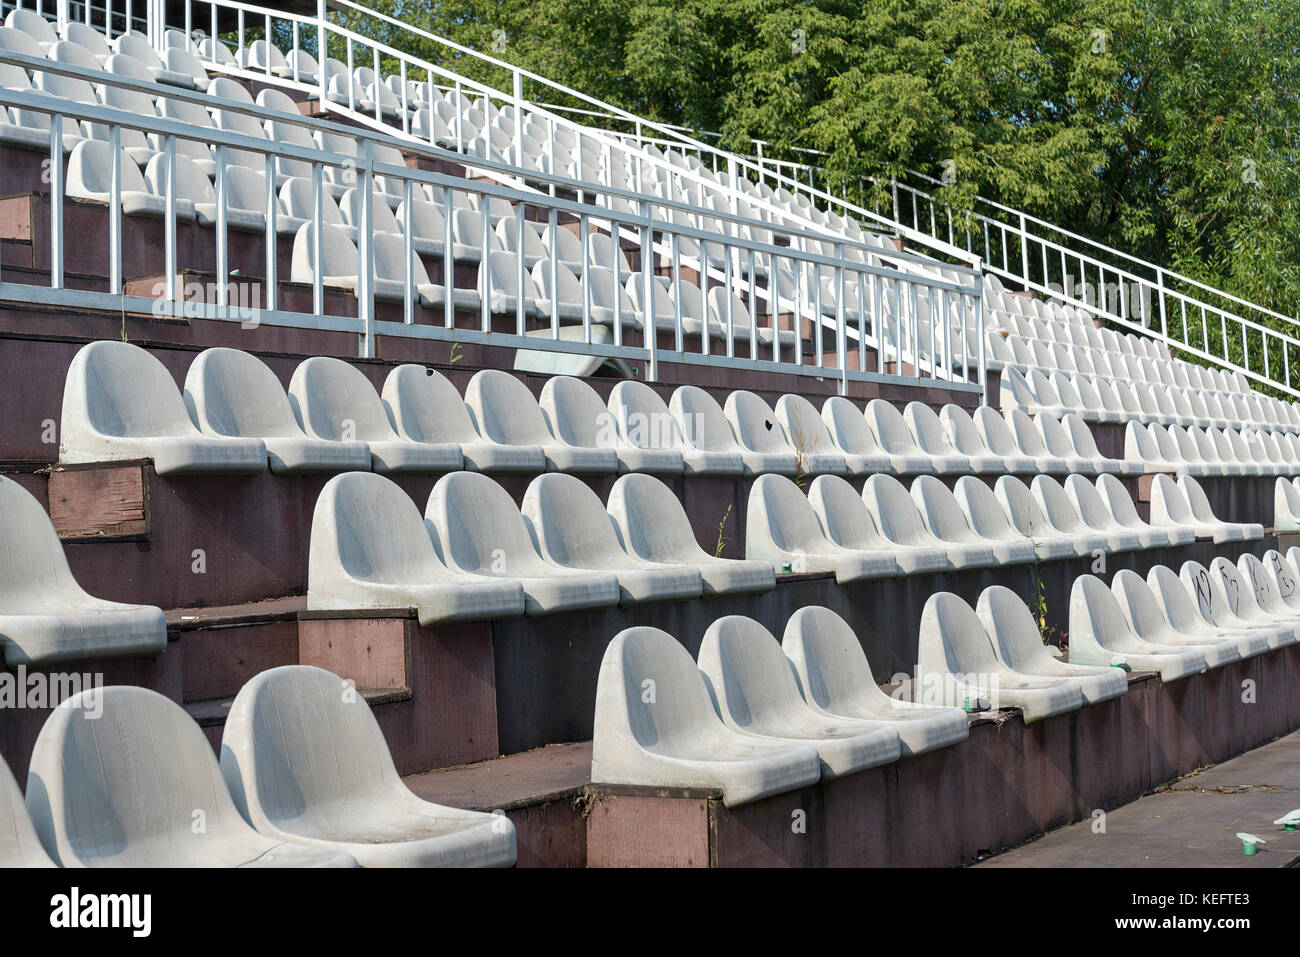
[(879, 276)]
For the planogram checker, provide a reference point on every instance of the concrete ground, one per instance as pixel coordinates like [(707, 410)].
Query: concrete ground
[(1191, 823)]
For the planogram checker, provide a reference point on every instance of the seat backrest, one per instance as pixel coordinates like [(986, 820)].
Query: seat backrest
[(575, 413), (643, 418), (681, 710), (997, 436), (747, 670), (332, 399), (940, 510), (894, 512), (1184, 609), (827, 658), (756, 425), (927, 429), (848, 427), (338, 254), (1010, 625), (425, 407), (504, 411), (478, 529), (650, 519), (569, 522), (121, 389), (32, 560), (229, 392), (953, 640), (703, 423), (890, 428), (298, 742), (1021, 507), (114, 787), (1168, 504), (369, 526)]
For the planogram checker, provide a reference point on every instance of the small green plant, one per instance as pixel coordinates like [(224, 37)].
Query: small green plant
[(1038, 606), (722, 538)]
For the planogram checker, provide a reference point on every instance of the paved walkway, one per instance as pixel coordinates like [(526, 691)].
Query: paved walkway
[(1192, 823)]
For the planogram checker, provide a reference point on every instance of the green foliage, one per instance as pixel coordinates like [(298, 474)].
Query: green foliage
[(1163, 127)]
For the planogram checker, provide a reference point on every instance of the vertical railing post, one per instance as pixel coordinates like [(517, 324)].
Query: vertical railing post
[(648, 280), (56, 201), (365, 251)]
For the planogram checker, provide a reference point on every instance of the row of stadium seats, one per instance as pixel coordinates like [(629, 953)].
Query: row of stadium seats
[(1211, 452), (753, 718), (121, 776), (1099, 398), (475, 554), (120, 402)]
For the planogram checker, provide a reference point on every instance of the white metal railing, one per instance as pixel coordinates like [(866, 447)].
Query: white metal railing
[(926, 326), (359, 50), (1184, 314)]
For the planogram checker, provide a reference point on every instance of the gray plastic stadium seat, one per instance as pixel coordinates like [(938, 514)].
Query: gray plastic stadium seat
[(1094, 514), (895, 513), (1282, 575), (944, 517), (233, 394), (505, 412), (1061, 514), (334, 401), (1253, 577), (1170, 506), (572, 529), (1148, 615), (847, 521), (1026, 516), (835, 679), (425, 407), (892, 435), (45, 616), (1029, 441), (1019, 645), (138, 786), (960, 430), (1120, 504), (478, 530), (679, 740), (653, 525), (90, 176), (999, 440), (306, 762), (781, 527), (645, 422), (765, 448), (805, 427), (705, 428), (19, 845), (1193, 607), (931, 439), (989, 520), (850, 433), (1228, 589), (121, 403), (757, 696), (370, 549), (577, 417), (957, 651), (761, 431), (1101, 635)]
